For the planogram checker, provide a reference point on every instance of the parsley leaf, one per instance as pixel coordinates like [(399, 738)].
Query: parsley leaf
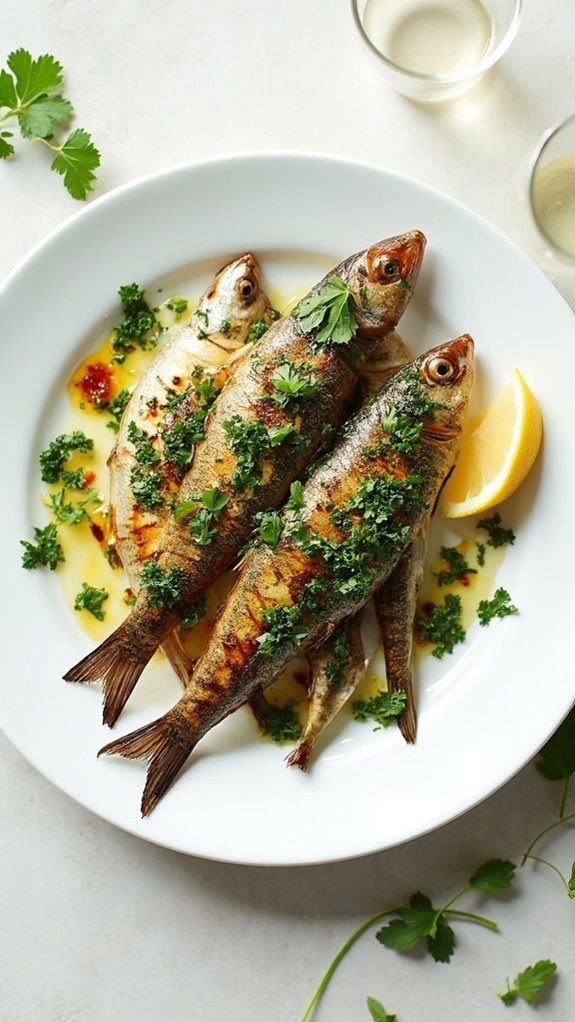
[(283, 629), (281, 723), (33, 78), (163, 586), (39, 119), (45, 552), (442, 626), (76, 159), (457, 566), (269, 527), (416, 921), (529, 983), (292, 384), (192, 613), (498, 536), (139, 326), (91, 599), (295, 501), (53, 459), (378, 1012), (384, 707), (556, 760), (25, 92), (499, 606), (327, 315), (493, 875)]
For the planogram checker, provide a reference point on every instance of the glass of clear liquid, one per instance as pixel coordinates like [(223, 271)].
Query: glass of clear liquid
[(552, 189), (434, 50), (540, 207)]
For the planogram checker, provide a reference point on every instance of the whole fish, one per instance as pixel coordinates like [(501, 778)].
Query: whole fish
[(337, 668), (163, 420), (341, 539), (267, 424)]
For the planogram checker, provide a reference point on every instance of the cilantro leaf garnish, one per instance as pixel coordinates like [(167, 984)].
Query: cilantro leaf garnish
[(499, 606), (201, 526), (292, 384), (45, 552), (27, 93), (327, 315), (378, 1012), (529, 983), (493, 875), (269, 527), (91, 599)]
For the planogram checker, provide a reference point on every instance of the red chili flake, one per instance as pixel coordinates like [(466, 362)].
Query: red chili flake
[(97, 384), (97, 532), (428, 609), (88, 478), (301, 677), (463, 580)]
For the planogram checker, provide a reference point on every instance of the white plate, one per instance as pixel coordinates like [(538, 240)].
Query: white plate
[(486, 709)]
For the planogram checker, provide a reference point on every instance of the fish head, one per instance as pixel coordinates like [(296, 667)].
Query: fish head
[(381, 281), (445, 378), (234, 302)]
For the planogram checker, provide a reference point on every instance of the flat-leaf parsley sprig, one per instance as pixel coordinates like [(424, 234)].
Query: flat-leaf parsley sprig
[(29, 92), (419, 921)]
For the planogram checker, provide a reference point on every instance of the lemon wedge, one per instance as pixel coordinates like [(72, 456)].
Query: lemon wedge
[(498, 449)]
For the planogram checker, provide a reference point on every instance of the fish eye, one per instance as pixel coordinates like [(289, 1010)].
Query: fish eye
[(247, 288), (440, 369), (387, 269)]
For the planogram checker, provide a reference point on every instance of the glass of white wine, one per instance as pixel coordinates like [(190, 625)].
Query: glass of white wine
[(433, 50)]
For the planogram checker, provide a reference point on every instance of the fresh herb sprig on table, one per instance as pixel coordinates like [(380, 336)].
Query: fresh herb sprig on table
[(30, 93), (419, 922), (530, 982)]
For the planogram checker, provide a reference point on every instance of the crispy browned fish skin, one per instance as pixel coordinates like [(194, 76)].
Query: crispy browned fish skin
[(233, 665), (329, 689), (381, 298), (213, 337)]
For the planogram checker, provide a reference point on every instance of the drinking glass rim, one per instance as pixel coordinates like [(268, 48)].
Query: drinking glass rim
[(452, 77), (547, 137)]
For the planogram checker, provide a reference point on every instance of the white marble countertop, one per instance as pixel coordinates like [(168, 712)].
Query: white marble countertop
[(99, 925)]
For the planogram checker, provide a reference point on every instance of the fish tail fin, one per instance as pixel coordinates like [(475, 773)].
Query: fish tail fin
[(162, 744), (118, 664), (407, 720), (300, 756)]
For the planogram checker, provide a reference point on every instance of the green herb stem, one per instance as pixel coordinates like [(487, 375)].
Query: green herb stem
[(551, 865), (351, 940), (472, 917), (542, 833)]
